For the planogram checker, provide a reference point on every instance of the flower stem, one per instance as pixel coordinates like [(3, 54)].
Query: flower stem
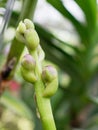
[(44, 107), (28, 9), (43, 104)]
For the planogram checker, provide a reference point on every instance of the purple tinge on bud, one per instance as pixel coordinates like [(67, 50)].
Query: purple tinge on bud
[(49, 73), (28, 62)]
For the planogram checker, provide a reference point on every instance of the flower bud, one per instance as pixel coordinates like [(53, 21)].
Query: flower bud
[(50, 79), (27, 34), (32, 39), (28, 62), (49, 73), (21, 28), (29, 24), (28, 75)]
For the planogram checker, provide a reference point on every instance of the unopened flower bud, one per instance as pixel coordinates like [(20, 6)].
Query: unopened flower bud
[(27, 34), (29, 24), (49, 73), (21, 28), (32, 39), (28, 62), (28, 75), (50, 79)]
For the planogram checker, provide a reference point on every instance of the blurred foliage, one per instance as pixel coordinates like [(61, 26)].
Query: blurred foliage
[(75, 105)]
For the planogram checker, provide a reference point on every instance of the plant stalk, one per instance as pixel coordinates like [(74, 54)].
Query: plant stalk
[(44, 107), (43, 104)]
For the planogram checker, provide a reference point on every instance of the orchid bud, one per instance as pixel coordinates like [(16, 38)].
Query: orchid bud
[(49, 73), (29, 24), (26, 33), (28, 75), (28, 68), (21, 28), (28, 62), (32, 39), (50, 79), (20, 31)]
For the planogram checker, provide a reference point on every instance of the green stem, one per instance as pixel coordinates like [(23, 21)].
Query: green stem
[(44, 105), (28, 9), (38, 69)]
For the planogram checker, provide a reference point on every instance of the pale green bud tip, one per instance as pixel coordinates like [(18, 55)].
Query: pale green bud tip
[(21, 28), (28, 23), (49, 73), (28, 62), (32, 38)]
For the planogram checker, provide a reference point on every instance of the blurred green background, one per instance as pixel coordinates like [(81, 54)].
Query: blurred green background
[(68, 31)]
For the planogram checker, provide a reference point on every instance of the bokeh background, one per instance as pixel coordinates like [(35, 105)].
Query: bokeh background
[(68, 31)]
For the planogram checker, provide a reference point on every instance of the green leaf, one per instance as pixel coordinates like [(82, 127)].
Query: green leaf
[(58, 4), (16, 105), (51, 36), (89, 8)]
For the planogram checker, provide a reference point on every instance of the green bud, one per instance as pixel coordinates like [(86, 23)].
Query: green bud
[(28, 62), (50, 79), (21, 28), (29, 24), (32, 39), (49, 73), (29, 76), (27, 34)]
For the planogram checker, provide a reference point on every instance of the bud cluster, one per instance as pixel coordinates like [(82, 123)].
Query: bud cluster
[(30, 63), (26, 33)]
